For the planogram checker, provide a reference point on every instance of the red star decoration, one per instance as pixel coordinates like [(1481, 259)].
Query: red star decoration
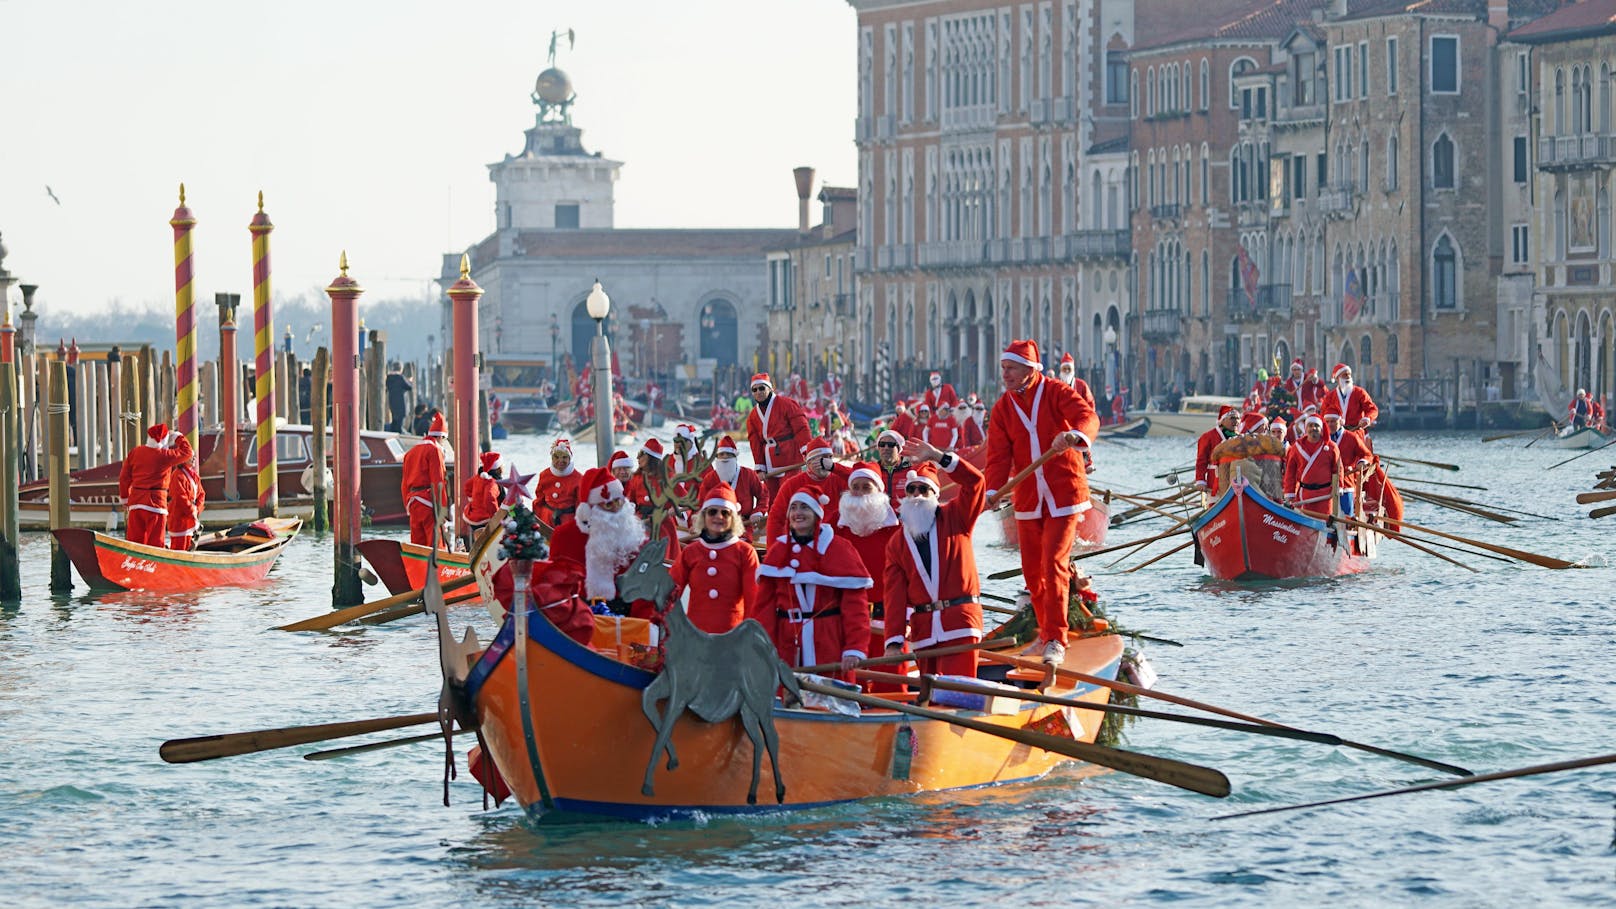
[(515, 486)]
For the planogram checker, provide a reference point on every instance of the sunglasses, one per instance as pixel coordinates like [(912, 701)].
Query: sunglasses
[(758, 388), (918, 489), (886, 445), (717, 512)]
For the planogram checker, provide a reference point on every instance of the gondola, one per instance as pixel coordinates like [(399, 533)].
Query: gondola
[(1247, 536), (242, 555)]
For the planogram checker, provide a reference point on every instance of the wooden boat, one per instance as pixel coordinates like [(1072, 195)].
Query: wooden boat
[(1137, 428), (381, 459), (590, 741), (1247, 536), (526, 414), (1195, 415), (220, 559), (401, 565), (1578, 439)]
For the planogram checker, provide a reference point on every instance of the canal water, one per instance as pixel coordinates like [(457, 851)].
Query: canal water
[(1492, 670)]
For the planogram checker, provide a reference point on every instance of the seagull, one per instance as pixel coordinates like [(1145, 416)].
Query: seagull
[(52, 194)]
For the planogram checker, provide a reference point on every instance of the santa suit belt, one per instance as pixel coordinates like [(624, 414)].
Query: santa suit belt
[(942, 604), (1315, 485), (797, 615)]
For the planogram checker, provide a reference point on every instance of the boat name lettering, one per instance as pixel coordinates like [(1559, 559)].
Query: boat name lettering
[(1271, 521), (1217, 525), (133, 564)]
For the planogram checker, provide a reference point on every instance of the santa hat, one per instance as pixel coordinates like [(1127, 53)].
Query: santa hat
[(1311, 408), (806, 496), (892, 434), (487, 461), (1277, 423), (725, 445), (619, 459), (1066, 359), (816, 448), (652, 448), (1224, 411), (963, 406), (685, 431), (1311, 374), (972, 398), (1296, 363), (922, 473), (722, 496), (1335, 415), (761, 378), (157, 435), (925, 407), (935, 375), (1338, 370), (868, 472), (1024, 352), (1253, 422), (597, 488), (1312, 419), (437, 429), (561, 444), (901, 406)]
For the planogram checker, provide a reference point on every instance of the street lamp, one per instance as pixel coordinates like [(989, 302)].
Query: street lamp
[(555, 367), (1110, 337), (286, 339), (599, 306)]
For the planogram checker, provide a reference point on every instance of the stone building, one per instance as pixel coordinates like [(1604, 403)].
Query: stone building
[(813, 327)]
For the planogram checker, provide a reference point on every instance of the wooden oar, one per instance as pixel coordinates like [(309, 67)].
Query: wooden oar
[(1016, 572), (1153, 560), (1436, 464), (230, 744), (1172, 473), (1602, 512), (1534, 770), (1404, 540), (1518, 554), (330, 753), (1402, 480), (1444, 502), (1126, 688), (948, 684), (344, 616), (1195, 778), (1120, 632), (404, 612), (1583, 455), (1518, 432), (1553, 430), (1491, 508), (1588, 498), (822, 668), (1003, 494)]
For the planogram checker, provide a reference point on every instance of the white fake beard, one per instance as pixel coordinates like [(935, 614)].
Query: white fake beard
[(864, 514), (728, 470), (1344, 384), (1067, 376), (918, 515), (615, 538)]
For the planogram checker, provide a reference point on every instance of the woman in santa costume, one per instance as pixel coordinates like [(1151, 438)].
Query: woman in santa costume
[(558, 485), (425, 486), (749, 490), (813, 592), (1310, 465), (1349, 400), (821, 473), (479, 495), (1033, 416), (931, 587), (186, 500), (144, 480), (719, 567), (865, 517), (648, 487), (776, 428)]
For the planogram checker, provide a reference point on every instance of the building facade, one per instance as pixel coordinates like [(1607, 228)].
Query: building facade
[(813, 328)]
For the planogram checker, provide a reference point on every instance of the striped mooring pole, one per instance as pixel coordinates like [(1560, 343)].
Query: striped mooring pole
[(184, 322), (264, 363)]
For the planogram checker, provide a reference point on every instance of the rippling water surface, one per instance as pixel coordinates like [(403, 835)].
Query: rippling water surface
[(1505, 668)]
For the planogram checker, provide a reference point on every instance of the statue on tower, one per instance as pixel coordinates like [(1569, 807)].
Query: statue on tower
[(553, 91)]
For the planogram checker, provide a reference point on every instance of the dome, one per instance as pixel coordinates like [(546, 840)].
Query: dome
[(553, 86)]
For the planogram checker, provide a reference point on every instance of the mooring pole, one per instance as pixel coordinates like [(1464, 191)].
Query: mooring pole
[(229, 402), (317, 446), (61, 577), (184, 323), (464, 293), (344, 293), (10, 576), (264, 353)]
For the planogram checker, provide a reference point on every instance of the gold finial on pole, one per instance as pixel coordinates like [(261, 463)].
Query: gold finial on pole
[(465, 265), (182, 194), (260, 201), (343, 263)]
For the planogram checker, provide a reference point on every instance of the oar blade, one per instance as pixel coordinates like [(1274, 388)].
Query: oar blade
[(231, 744)]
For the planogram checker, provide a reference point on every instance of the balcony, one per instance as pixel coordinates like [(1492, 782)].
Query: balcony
[(1299, 115), (1170, 211), (1038, 111), (863, 129), (1337, 200), (1576, 152), (1271, 300), (1094, 244), (1161, 324), (885, 126), (973, 117)]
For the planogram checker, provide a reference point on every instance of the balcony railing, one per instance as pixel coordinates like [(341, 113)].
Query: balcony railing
[(1564, 152), (1162, 324), (1094, 244), (1270, 300), (1168, 211), (1337, 199)]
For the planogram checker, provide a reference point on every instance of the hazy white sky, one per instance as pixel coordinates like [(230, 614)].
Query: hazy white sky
[(368, 126)]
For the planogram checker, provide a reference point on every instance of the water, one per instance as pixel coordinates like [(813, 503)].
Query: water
[(1501, 669)]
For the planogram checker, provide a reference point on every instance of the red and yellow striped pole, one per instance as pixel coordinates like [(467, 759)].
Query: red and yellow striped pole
[(264, 363), (184, 322)]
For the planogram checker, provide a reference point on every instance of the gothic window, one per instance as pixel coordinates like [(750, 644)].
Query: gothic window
[(1442, 162), (1444, 274)]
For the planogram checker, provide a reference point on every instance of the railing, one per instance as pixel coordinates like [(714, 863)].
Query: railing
[(884, 126), (1337, 199), (1575, 151), (1094, 244), (1161, 323), (1418, 393), (976, 116), (1168, 211), (1038, 111), (1297, 113), (1270, 300)]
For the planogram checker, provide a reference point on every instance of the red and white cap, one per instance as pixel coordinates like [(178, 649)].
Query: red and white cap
[(1335, 415), (817, 448), (1066, 358), (437, 429), (1312, 419), (722, 496), (619, 459), (1225, 410), (561, 444), (923, 406), (815, 503), (1024, 351), (901, 406), (1253, 422), (892, 434), (1297, 363), (487, 461), (869, 472), (761, 378), (1338, 370), (598, 488), (685, 431), (158, 435), (726, 445), (935, 375), (922, 473), (653, 448)]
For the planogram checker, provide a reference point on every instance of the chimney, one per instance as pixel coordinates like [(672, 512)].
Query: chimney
[(1338, 9), (1498, 15), (805, 188)]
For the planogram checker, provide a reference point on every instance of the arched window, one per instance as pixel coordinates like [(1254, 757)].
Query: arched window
[(1445, 274), (1559, 103), (1442, 162), (1206, 174), (1206, 283), (1238, 67), (1391, 162), (1206, 84), (1133, 94), (1150, 92)]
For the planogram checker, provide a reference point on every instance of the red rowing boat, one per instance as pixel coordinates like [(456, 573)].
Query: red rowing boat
[(1247, 536), (401, 565), (220, 560)]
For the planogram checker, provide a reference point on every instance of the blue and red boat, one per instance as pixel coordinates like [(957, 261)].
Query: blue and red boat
[(1246, 536)]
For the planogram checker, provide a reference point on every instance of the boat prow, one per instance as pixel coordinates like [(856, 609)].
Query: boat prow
[(402, 565), (1247, 536)]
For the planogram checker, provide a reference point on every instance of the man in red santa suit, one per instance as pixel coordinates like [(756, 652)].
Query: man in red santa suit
[(1312, 392), (720, 567), (684, 442), (938, 393), (1312, 462), (867, 520), (941, 431), (558, 485), (903, 423), (969, 434), (186, 500), (1206, 473), (749, 492), (1031, 417), (621, 465), (931, 586), (831, 388), (425, 482), (1066, 372), (602, 538), (821, 473), (650, 484), (1358, 459), (1280, 430), (813, 592), (776, 428), (144, 481), (479, 495), (1349, 400), (1293, 382)]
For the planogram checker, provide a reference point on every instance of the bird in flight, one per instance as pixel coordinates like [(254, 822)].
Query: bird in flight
[(52, 194)]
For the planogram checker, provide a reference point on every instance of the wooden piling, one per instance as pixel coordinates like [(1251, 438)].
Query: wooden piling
[(227, 396), (115, 420), (61, 576), (317, 454), (165, 391), (10, 422), (105, 425), (83, 423), (344, 292), (129, 420)]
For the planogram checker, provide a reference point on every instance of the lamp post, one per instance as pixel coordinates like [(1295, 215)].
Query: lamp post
[(555, 367), (600, 306), (286, 340), (1110, 337)]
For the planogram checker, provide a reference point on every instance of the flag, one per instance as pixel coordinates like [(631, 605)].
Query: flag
[(1248, 275), (1352, 298)]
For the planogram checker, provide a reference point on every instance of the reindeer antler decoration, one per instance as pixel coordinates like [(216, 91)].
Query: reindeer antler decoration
[(665, 499)]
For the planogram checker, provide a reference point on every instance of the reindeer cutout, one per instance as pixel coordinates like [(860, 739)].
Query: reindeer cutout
[(715, 676), (665, 499)]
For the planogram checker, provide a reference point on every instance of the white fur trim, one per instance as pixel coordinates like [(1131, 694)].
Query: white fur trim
[(1016, 358), (868, 474), (806, 499), (722, 503)]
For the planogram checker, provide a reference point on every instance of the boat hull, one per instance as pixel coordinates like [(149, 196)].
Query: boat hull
[(402, 565), (593, 741), (1581, 439), (109, 563), (1247, 536)]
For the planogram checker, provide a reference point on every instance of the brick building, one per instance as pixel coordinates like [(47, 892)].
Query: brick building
[(813, 327)]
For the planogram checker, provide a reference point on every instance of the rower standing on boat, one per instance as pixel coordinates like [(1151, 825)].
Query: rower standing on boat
[(143, 483), (425, 486), (938, 394), (823, 475), (776, 428), (1206, 474), (903, 422), (558, 483), (719, 567), (186, 499), (931, 586), (889, 463), (1349, 400), (1358, 459), (940, 429), (813, 591), (1581, 411), (970, 435), (1310, 466), (479, 495), (1031, 417)]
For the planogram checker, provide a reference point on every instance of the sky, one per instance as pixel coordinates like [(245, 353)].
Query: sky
[(369, 127)]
